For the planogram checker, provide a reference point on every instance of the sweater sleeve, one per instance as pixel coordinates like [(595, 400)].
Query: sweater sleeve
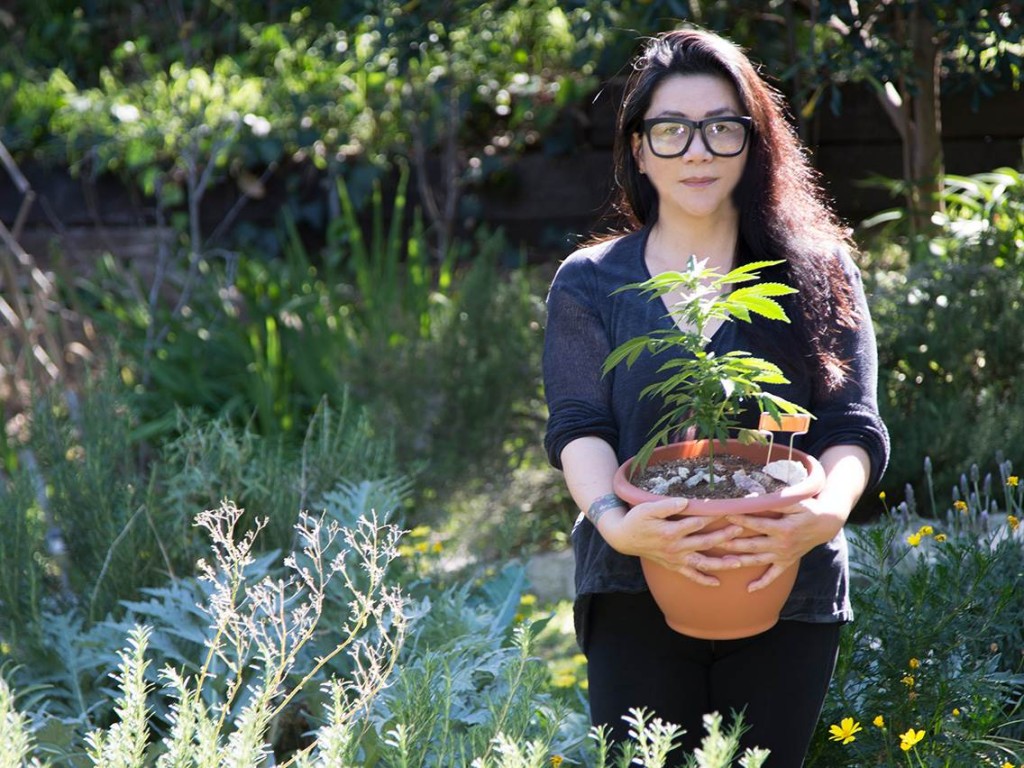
[(849, 414), (576, 344)]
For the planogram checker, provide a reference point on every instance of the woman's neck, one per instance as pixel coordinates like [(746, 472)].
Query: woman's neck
[(670, 244)]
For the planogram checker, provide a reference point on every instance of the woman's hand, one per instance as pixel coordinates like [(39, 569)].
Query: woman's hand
[(780, 542), (647, 530)]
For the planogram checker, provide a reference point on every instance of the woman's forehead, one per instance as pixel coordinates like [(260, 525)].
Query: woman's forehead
[(693, 96)]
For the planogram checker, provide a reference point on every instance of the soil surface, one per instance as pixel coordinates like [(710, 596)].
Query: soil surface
[(724, 487)]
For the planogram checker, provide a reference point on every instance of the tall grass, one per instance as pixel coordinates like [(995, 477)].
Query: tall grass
[(89, 523)]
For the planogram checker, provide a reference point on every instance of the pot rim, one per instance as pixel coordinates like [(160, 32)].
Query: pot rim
[(776, 501)]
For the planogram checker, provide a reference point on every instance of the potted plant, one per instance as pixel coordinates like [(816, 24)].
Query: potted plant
[(705, 393)]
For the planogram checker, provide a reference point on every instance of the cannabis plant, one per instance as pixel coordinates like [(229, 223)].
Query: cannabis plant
[(702, 389)]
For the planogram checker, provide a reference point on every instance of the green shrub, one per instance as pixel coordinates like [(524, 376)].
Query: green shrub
[(212, 681), (949, 326), (935, 646), (85, 538), (154, 97), (90, 524), (446, 357), (247, 654), (209, 459)]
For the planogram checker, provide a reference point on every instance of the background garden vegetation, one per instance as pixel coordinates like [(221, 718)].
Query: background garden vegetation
[(295, 385)]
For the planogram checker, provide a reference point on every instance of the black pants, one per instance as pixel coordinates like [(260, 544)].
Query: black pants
[(777, 679)]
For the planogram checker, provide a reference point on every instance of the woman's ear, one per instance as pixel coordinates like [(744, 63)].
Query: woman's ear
[(637, 144)]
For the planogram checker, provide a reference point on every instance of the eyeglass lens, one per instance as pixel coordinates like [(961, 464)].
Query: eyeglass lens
[(722, 136)]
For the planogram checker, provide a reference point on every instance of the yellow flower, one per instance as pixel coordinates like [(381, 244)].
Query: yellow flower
[(960, 506), (909, 739), (1013, 522), (1007, 765), (914, 663), (879, 721), (844, 731), (528, 599), (564, 680), (1012, 481), (926, 530), (940, 537), (420, 531), (956, 711), (908, 680), (556, 761), (914, 539), (881, 496)]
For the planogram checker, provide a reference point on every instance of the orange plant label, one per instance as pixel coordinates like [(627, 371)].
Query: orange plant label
[(790, 422)]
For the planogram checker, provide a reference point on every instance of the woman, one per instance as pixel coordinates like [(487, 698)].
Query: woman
[(706, 164)]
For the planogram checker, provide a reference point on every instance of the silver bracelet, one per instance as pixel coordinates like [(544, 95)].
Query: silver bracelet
[(602, 504)]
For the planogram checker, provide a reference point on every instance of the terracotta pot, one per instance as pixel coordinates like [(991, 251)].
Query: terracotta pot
[(727, 611)]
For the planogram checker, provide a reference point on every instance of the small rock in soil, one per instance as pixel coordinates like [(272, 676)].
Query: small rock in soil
[(665, 476)]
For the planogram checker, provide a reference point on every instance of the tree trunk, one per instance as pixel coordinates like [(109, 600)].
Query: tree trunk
[(925, 138)]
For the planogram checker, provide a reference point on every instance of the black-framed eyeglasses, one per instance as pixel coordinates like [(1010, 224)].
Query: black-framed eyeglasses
[(672, 136)]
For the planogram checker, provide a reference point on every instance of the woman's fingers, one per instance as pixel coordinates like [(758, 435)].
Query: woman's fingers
[(680, 542), (776, 570), (663, 508), (700, 577)]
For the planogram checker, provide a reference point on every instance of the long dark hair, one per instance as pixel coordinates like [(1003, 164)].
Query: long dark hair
[(783, 213)]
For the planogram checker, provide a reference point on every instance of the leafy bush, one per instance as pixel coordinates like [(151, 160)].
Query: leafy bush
[(931, 669), (90, 523), (244, 654), (446, 357), (76, 503), (232, 666), (181, 97), (948, 329)]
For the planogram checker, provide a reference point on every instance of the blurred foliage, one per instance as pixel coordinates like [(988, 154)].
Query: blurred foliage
[(444, 357), (222, 90), (360, 79), (981, 44), (93, 519), (949, 327), (908, 54)]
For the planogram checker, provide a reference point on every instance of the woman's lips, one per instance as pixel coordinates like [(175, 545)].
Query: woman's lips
[(700, 181)]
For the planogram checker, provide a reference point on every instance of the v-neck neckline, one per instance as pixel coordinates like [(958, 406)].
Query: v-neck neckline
[(667, 314)]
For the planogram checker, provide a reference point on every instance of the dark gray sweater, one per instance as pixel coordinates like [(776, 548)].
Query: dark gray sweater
[(585, 322)]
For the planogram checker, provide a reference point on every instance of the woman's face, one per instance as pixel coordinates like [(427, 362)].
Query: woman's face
[(696, 184)]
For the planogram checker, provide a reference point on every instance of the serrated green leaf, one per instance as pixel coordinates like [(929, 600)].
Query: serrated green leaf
[(765, 307), (767, 289), (746, 272)]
